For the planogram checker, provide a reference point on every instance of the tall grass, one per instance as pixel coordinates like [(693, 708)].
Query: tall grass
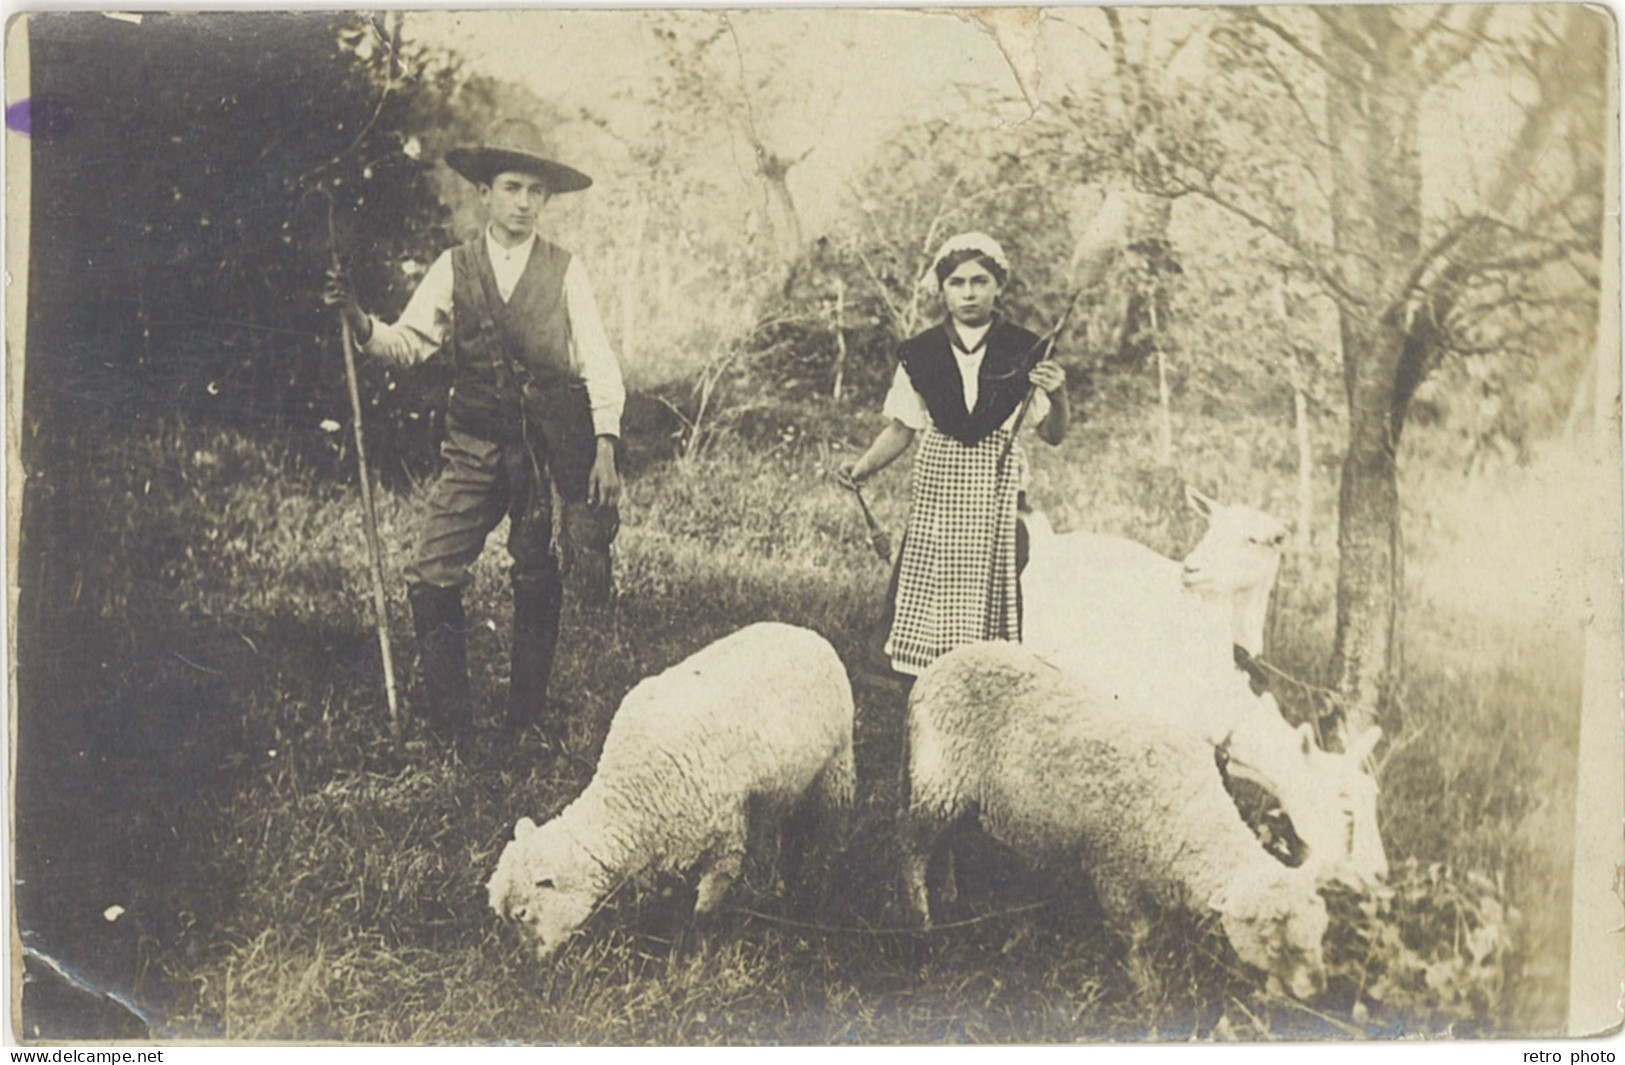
[(332, 885)]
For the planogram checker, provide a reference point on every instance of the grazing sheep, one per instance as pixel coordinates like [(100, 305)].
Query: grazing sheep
[(1066, 777), (746, 730), (1144, 629)]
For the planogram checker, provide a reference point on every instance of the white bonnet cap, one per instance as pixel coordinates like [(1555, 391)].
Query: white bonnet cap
[(977, 242)]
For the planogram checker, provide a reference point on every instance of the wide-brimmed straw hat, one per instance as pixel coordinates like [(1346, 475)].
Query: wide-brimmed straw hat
[(515, 144)]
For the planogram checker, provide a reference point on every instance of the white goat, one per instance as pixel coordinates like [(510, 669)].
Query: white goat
[(1067, 777), (1142, 628), (1117, 608), (741, 733)]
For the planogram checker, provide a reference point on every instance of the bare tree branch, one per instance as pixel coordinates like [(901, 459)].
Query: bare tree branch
[(1307, 255), (1434, 24), (1331, 18), (1273, 73), (1119, 43), (1454, 235), (1292, 40), (892, 309), (1050, 16), (1438, 62)]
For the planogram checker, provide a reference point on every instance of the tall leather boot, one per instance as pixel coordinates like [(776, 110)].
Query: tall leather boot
[(537, 603), (442, 673)]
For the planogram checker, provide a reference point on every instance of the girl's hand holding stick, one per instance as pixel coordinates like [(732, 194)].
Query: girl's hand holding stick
[(846, 478)]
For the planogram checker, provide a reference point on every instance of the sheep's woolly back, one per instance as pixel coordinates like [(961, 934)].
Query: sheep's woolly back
[(760, 712), (1061, 773)]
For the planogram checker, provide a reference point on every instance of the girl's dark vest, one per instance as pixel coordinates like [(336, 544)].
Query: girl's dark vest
[(513, 376), (929, 360)]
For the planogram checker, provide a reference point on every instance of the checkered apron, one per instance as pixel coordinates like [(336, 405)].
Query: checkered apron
[(956, 579)]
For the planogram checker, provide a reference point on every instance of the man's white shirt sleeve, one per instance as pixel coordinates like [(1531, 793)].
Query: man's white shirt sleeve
[(594, 359), (423, 327)]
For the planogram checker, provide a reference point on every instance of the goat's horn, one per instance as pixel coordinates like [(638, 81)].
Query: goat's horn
[(1204, 505)]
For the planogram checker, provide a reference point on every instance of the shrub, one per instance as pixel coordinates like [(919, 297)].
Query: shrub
[(1429, 951)]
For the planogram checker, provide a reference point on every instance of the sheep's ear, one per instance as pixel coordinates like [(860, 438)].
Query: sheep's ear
[(1361, 748), (1306, 736), (1202, 504), (524, 827)]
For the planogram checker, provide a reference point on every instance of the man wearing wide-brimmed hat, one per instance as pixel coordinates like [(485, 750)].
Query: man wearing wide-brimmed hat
[(536, 397)]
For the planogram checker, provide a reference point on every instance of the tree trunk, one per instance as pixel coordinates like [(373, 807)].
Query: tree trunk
[(1370, 576), (1371, 110)]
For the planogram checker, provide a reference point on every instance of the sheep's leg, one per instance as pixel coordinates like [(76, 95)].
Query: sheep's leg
[(763, 847), (948, 891), (830, 806), (917, 839), (727, 862), (1119, 898), (833, 792), (795, 832), (1126, 920)]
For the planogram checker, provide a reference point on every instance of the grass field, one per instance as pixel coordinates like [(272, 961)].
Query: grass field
[(210, 753)]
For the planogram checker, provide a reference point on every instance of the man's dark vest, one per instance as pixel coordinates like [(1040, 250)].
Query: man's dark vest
[(518, 352), (929, 360)]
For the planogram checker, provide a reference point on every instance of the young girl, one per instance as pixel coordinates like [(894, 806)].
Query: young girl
[(959, 388)]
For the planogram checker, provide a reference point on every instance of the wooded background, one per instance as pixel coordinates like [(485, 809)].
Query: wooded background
[(1349, 218)]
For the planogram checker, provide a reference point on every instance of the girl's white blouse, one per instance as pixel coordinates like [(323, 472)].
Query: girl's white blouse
[(905, 405)]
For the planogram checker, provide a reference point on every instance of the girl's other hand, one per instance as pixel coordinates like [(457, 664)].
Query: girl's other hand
[(1048, 375), (846, 478)]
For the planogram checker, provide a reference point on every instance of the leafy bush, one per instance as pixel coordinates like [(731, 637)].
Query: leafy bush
[(1429, 951)]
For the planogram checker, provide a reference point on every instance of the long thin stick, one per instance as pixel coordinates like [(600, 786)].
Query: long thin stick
[(877, 536), (379, 602), (369, 512), (1047, 343)]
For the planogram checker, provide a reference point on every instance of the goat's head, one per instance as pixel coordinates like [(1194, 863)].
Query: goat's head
[(1332, 800), (1240, 552), (1362, 860)]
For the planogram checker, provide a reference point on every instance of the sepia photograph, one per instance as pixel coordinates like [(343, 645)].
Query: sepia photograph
[(814, 526)]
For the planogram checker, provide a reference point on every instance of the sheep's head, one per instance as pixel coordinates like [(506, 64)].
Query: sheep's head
[(1240, 552), (542, 885), (1277, 925)]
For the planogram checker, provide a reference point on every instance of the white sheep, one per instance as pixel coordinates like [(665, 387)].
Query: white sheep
[(1069, 778), (743, 732), (1143, 628)]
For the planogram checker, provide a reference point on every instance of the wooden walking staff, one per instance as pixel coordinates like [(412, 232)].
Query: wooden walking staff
[(877, 536), (369, 512), (1045, 345)]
